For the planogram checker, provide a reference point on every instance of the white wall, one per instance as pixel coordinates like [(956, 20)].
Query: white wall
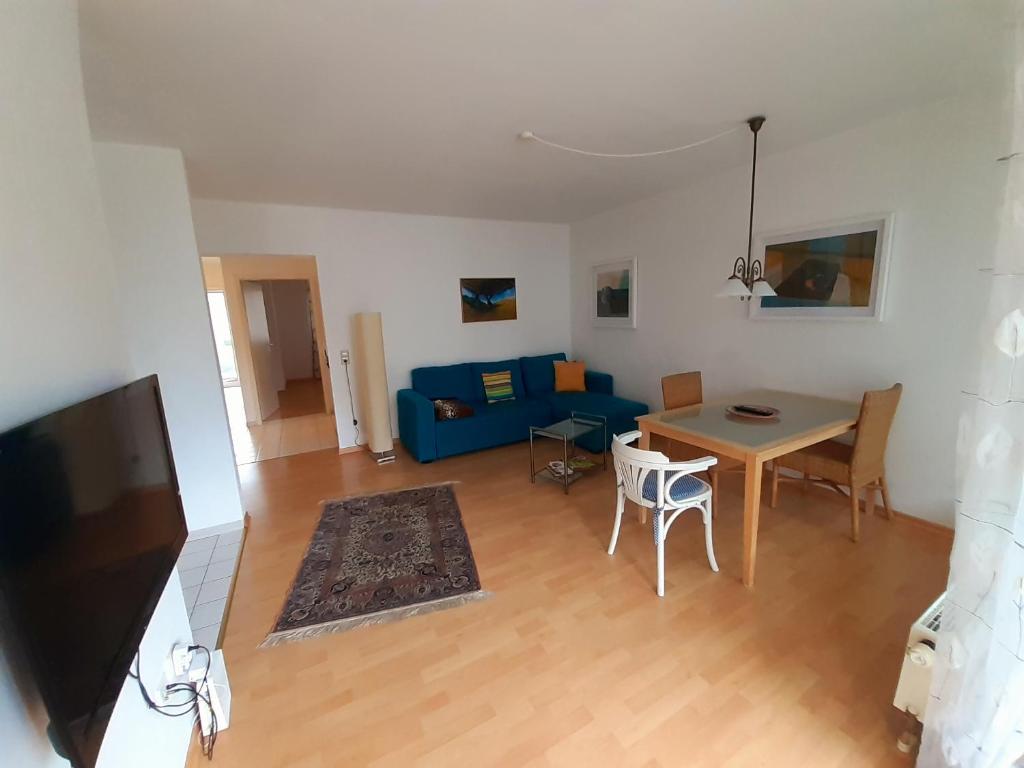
[(61, 338), (161, 294), (408, 268), (294, 330), (934, 167), (135, 735)]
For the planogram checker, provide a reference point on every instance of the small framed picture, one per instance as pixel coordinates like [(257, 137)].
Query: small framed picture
[(486, 299), (835, 271), (614, 294)]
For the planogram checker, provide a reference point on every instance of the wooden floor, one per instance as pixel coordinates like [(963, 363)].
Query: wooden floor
[(574, 661), (300, 397)]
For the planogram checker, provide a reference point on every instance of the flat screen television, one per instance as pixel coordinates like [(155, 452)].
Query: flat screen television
[(91, 525)]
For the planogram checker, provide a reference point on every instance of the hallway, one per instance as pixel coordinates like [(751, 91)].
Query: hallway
[(300, 397), (294, 428)]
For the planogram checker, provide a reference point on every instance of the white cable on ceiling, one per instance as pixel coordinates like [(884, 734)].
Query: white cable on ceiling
[(531, 136)]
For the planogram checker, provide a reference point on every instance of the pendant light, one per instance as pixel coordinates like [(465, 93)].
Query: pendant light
[(747, 278)]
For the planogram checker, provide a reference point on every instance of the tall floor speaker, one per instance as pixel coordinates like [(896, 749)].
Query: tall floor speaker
[(372, 384)]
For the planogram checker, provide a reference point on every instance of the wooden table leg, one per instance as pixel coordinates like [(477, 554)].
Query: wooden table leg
[(751, 510)]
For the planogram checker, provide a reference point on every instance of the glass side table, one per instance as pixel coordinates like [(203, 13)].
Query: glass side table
[(568, 430)]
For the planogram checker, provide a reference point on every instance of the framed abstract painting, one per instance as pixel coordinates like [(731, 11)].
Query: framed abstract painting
[(614, 294), (836, 272), (486, 299)]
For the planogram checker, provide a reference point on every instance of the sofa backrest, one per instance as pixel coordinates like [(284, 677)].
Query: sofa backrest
[(539, 373), (464, 381), (437, 381)]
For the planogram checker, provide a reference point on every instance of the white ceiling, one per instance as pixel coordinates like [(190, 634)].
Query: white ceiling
[(415, 106)]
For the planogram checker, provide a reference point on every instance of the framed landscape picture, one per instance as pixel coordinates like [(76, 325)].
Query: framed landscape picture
[(614, 294), (836, 271), (486, 299)]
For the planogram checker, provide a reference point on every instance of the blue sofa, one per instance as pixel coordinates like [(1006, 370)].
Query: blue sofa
[(536, 404)]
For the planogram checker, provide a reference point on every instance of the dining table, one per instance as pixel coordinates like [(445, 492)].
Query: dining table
[(801, 420)]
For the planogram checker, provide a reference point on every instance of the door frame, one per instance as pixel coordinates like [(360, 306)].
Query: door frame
[(220, 289), (233, 269)]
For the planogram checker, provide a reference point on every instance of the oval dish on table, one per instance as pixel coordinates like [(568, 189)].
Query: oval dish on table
[(752, 412)]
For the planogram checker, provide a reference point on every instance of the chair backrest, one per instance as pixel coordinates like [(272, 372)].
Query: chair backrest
[(682, 389), (877, 410), (632, 465)]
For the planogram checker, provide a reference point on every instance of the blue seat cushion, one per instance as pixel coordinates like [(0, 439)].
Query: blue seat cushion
[(539, 373), (491, 424), (526, 408), (682, 489), (620, 413), (609, 406), (446, 381)]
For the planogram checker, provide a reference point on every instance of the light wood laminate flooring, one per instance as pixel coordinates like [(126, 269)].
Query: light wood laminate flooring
[(574, 661)]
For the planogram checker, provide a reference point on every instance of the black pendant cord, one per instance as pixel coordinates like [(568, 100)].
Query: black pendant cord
[(755, 126), (746, 268)]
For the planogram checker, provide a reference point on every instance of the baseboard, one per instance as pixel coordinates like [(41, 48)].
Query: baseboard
[(351, 449), (901, 517), (216, 530), (927, 525)]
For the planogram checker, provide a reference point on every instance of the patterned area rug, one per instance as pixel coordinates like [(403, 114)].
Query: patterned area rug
[(380, 558)]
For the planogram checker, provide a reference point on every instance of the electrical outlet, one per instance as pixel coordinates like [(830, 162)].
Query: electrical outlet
[(181, 660), (175, 669), (344, 356)]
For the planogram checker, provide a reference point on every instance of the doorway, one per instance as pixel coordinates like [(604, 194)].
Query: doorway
[(279, 402), (284, 349), (225, 345), (296, 358)]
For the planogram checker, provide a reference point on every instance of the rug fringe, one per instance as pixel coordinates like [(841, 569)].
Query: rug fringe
[(389, 490), (380, 617)]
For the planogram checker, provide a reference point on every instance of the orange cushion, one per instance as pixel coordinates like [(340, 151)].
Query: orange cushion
[(569, 376)]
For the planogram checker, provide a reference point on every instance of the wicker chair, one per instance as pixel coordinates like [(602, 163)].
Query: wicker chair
[(858, 466), (681, 389), (678, 391)]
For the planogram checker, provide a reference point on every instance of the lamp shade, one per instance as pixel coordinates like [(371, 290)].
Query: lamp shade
[(734, 288), (372, 381), (762, 288)]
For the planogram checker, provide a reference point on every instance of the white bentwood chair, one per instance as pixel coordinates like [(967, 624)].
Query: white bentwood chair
[(649, 479)]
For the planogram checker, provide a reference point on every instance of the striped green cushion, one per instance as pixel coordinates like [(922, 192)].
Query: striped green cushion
[(498, 386)]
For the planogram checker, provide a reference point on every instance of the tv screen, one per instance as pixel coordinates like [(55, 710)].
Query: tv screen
[(91, 525)]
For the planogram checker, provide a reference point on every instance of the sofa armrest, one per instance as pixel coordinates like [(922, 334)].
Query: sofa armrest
[(416, 424), (598, 382)]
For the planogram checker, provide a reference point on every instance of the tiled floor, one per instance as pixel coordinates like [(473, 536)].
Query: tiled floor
[(278, 437), (206, 568)]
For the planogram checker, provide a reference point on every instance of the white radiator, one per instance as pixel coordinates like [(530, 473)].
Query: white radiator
[(918, 661)]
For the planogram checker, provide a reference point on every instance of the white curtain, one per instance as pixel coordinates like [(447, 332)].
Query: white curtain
[(975, 715)]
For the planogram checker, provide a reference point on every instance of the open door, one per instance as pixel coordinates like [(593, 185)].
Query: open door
[(276, 355), (250, 304), (262, 346)]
